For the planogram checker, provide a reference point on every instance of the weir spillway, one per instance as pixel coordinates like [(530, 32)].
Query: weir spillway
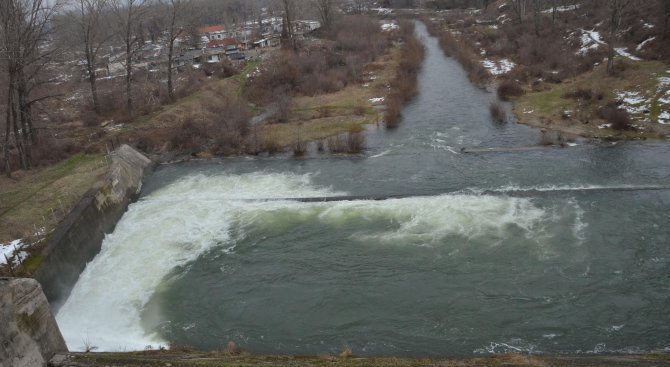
[(413, 249)]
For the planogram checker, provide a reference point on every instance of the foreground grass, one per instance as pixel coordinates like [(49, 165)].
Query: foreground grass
[(36, 201), (169, 358), (544, 108)]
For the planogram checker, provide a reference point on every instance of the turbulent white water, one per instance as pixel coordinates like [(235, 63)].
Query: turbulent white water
[(178, 223), (168, 228)]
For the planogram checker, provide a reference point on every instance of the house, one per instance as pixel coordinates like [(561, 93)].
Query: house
[(214, 33), (269, 41), (189, 57), (233, 53), (305, 26), (222, 43)]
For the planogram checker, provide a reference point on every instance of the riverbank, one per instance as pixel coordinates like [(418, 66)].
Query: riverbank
[(185, 358), (211, 122), (434, 272), (567, 91)]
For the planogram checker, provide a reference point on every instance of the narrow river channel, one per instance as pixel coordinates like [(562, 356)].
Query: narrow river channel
[(543, 251)]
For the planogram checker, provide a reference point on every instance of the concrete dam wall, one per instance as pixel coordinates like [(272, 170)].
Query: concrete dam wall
[(78, 238)]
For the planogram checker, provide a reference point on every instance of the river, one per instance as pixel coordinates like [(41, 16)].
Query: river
[(555, 250)]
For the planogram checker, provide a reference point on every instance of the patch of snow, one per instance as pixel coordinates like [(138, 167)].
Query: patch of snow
[(376, 100), (382, 10), (633, 102), (493, 26), (387, 27), (113, 128), (664, 118), (648, 25), (623, 52), (663, 82), (644, 43), (73, 97), (572, 144), (604, 126), (500, 67), (560, 9), (665, 99), (590, 40), (14, 249)]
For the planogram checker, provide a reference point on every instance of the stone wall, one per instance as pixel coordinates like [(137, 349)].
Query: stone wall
[(79, 237), (29, 335)]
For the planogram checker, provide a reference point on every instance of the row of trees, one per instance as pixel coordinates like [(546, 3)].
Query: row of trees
[(616, 10), (33, 35), (38, 36)]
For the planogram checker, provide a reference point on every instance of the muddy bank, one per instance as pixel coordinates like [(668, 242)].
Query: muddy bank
[(179, 358)]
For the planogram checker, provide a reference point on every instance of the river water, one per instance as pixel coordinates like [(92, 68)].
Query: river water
[(541, 251)]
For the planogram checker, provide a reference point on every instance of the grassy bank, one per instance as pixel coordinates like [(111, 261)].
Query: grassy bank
[(575, 105), (553, 68), (169, 358), (33, 203)]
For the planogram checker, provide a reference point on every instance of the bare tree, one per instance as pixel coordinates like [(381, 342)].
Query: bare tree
[(179, 16), (361, 6), (326, 11), (288, 37), (25, 27), (537, 14), (520, 8), (92, 34), (616, 9), (665, 7), (128, 15)]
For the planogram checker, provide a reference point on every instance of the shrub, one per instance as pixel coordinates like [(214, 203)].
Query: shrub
[(509, 88), (404, 83), (619, 118), (352, 142), (299, 148), (497, 112), (580, 94)]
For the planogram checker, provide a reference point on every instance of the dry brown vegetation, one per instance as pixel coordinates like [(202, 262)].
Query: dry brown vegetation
[(326, 66), (497, 112), (508, 89), (557, 81), (404, 84)]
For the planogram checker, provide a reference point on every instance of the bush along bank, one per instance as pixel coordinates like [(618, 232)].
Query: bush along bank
[(558, 68), (404, 83)]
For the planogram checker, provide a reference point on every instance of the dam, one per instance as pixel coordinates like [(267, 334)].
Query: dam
[(413, 249)]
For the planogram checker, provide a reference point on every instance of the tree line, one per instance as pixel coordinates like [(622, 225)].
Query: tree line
[(36, 36)]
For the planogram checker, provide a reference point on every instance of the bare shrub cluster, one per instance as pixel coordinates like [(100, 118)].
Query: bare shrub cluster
[(220, 127), (498, 112), (352, 142), (326, 68), (619, 118), (508, 89), (404, 83)]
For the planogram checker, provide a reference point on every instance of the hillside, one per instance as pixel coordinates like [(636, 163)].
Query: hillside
[(553, 63)]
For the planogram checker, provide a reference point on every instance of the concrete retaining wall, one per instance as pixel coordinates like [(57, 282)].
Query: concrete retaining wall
[(79, 237)]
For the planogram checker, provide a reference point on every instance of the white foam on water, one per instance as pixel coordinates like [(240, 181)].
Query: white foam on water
[(427, 220), (381, 154), (176, 224), (169, 228), (511, 346)]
